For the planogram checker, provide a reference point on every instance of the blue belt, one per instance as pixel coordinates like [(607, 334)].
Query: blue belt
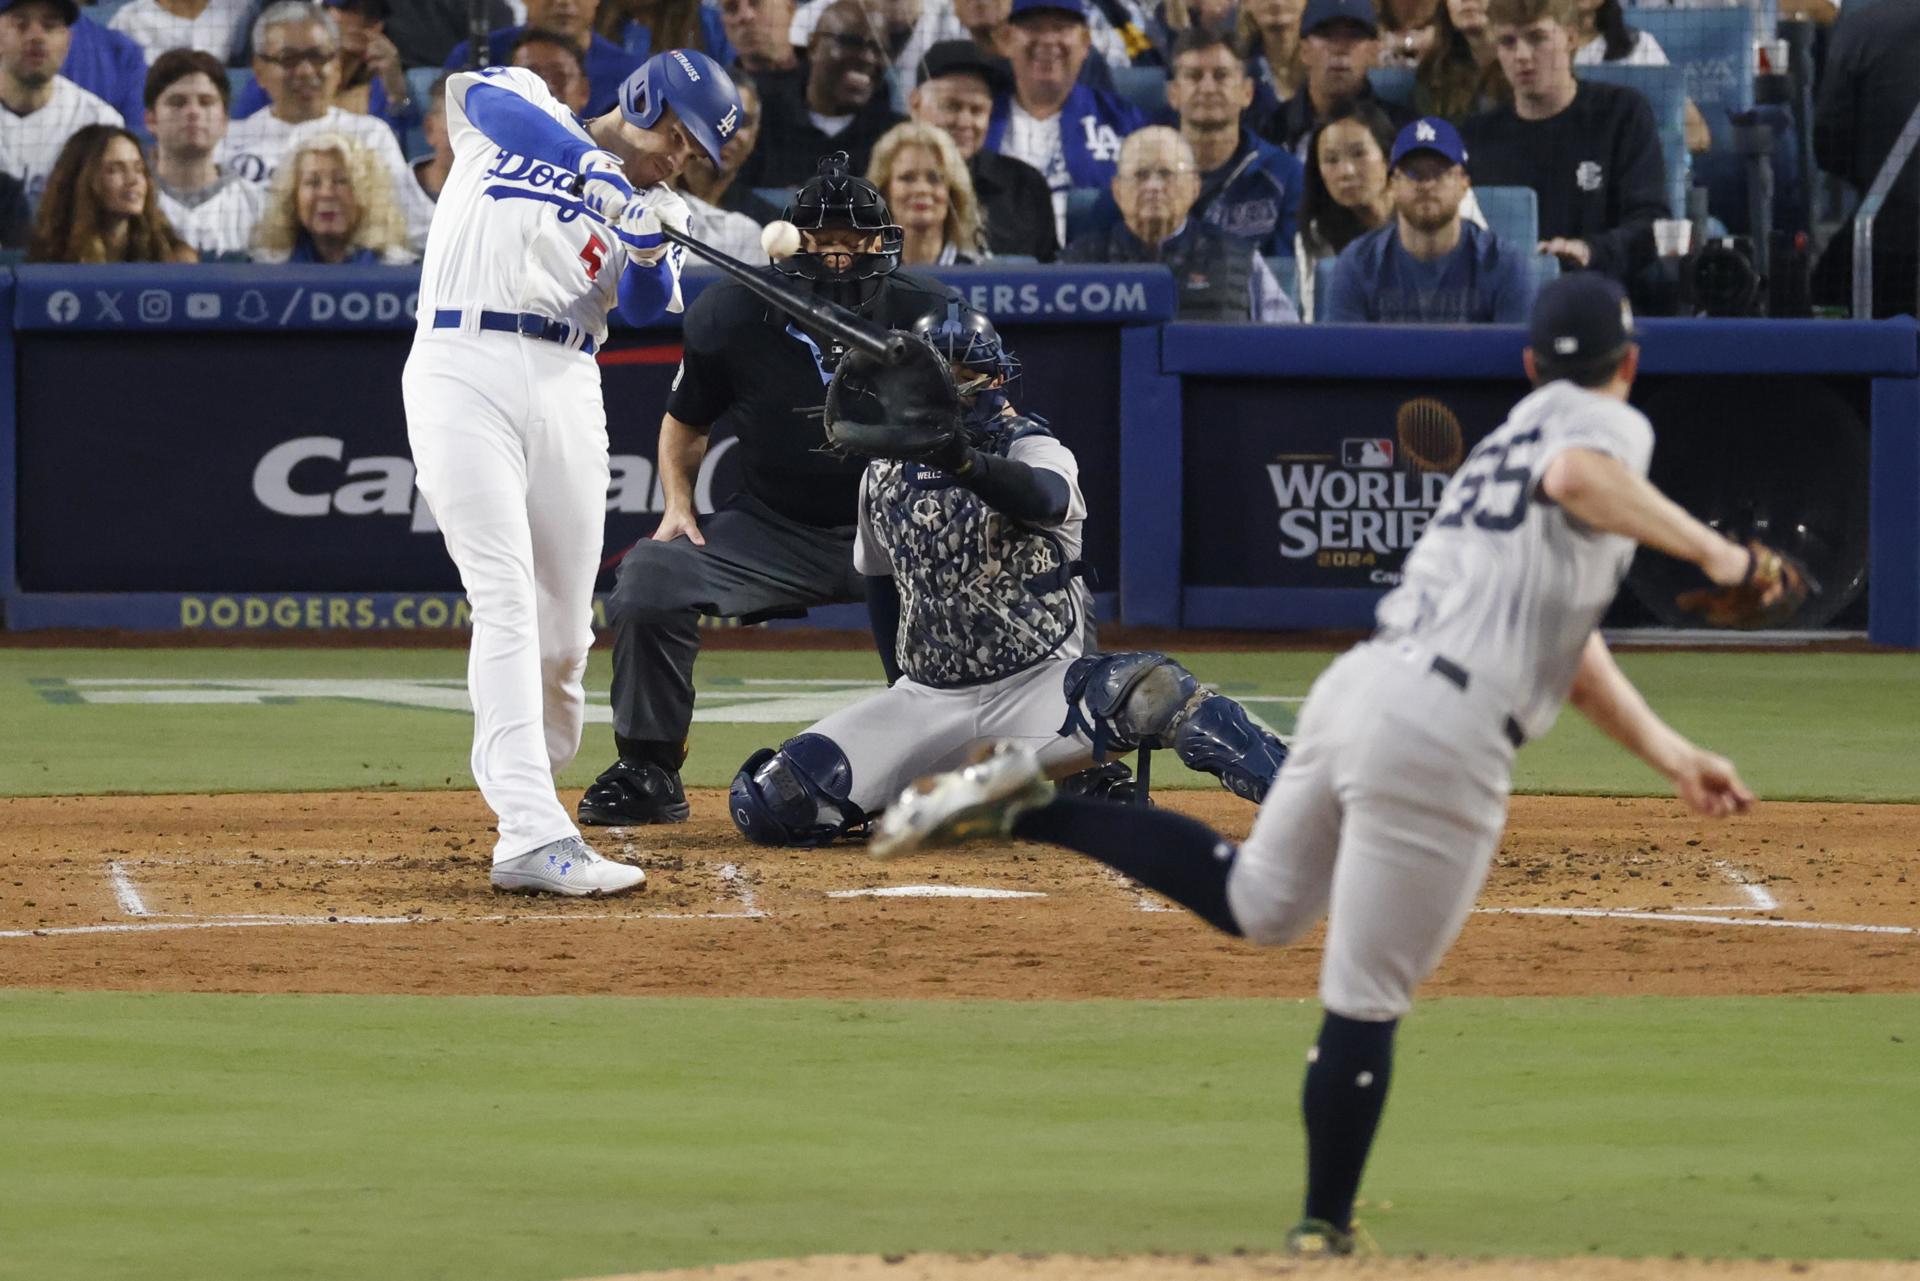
[(526, 324)]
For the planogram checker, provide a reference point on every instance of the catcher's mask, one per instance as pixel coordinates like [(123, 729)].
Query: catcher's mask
[(832, 199), (911, 405), (980, 363)]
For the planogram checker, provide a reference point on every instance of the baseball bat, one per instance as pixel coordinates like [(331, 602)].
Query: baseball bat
[(828, 317)]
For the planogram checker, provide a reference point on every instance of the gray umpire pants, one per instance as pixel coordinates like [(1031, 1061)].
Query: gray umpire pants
[(756, 565)]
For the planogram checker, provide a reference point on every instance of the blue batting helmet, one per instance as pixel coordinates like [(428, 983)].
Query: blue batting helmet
[(698, 89)]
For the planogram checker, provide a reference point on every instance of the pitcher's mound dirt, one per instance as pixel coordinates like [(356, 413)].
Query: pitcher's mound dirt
[(1227, 1267)]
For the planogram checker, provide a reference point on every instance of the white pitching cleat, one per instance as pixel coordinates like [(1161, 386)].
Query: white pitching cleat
[(981, 800), (567, 866)]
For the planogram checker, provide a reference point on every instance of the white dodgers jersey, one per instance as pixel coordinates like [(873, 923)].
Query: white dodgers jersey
[(509, 234), (1503, 581)]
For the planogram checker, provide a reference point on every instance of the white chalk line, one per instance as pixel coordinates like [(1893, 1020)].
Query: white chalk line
[(1691, 918), (1759, 898), (125, 892), (1142, 900)]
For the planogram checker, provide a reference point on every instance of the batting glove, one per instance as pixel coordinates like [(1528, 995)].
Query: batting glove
[(639, 225), (604, 189)]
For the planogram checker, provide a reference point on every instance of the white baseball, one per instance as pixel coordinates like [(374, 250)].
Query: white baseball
[(780, 239)]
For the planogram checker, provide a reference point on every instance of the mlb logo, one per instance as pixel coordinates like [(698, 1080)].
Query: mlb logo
[(1366, 451)]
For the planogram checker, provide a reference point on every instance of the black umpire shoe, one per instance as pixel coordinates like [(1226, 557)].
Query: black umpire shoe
[(634, 794)]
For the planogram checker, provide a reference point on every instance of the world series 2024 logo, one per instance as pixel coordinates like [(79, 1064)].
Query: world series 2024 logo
[(1365, 506)]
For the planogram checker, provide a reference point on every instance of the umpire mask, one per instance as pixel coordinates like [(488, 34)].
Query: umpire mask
[(836, 200)]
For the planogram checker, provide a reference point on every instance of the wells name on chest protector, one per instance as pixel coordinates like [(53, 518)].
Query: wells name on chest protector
[(982, 595)]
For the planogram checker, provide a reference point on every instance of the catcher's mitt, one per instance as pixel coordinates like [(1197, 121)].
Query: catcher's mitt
[(907, 410), (1775, 588)]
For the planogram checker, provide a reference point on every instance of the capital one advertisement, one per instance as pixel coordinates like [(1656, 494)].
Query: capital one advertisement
[(1321, 484), (279, 463)]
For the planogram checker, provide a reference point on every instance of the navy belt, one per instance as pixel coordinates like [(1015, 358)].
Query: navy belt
[(1454, 674), (525, 323)]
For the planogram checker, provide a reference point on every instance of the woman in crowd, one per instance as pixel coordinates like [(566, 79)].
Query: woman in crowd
[(1345, 195), (100, 206), (927, 186), (1459, 74), (1407, 31), (331, 202), (1604, 36)]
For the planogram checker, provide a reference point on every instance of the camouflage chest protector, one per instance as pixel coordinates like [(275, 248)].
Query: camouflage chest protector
[(982, 595)]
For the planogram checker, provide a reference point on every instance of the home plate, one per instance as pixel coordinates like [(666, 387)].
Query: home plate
[(934, 891)]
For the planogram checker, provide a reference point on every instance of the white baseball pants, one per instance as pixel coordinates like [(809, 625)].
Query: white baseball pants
[(509, 439), (1385, 819)]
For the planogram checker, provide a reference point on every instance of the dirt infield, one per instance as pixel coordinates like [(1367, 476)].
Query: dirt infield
[(388, 893), (1219, 1267)]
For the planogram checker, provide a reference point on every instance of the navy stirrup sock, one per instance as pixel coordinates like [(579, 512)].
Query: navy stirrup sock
[(1179, 857), (1345, 1092)]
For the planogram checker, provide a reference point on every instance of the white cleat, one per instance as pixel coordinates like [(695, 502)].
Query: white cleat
[(981, 800), (567, 866)]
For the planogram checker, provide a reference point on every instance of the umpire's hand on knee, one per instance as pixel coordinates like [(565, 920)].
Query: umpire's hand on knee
[(677, 522)]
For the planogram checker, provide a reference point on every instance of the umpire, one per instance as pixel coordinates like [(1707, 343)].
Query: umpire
[(784, 542)]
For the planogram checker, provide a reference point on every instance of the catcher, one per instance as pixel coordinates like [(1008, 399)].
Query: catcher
[(969, 538)]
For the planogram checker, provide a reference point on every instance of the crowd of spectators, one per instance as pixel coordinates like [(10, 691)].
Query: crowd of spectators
[(1267, 167)]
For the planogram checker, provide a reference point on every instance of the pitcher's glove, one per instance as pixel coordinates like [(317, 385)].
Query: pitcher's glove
[(1775, 587), (907, 410)]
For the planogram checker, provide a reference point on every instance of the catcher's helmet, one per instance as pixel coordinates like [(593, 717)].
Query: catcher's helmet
[(832, 198), (967, 338), (698, 89)]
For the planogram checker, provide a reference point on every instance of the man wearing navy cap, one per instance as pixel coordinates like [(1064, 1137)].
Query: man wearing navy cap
[(958, 82), (1427, 265), (1068, 130), (1339, 40)]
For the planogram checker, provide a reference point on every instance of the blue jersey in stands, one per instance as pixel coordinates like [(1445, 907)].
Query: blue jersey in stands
[(1484, 280)]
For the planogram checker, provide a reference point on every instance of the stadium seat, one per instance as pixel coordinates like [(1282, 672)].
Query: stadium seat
[(1545, 268), (1322, 278), (1713, 48), (1664, 88), (420, 84), (102, 11), (1287, 273), (778, 197), (1144, 87), (1393, 84), (1513, 213), (1080, 203)]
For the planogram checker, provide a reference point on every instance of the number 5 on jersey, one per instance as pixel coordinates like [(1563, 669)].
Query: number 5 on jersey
[(594, 255)]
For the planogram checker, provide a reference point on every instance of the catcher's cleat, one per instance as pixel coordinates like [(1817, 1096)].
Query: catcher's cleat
[(567, 867), (981, 800), (634, 794)]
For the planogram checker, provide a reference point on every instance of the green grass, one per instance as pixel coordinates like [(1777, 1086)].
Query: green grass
[(199, 1137), (1801, 726)]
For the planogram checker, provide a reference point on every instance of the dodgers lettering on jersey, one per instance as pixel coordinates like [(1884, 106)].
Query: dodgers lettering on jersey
[(1505, 582), (508, 233)]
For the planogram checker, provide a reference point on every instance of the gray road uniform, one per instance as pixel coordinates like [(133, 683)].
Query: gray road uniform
[(1395, 795), (990, 646)]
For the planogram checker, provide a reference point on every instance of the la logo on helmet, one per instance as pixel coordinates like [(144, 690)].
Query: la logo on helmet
[(729, 121)]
